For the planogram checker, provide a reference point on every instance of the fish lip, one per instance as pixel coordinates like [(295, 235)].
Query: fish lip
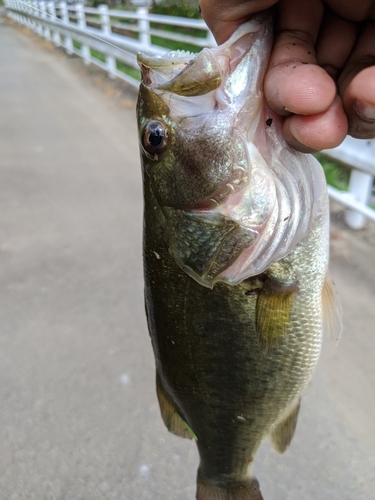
[(155, 68), (167, 59), (151, 64)]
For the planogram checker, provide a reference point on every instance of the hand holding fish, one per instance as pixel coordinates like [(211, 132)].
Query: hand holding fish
[(321, 74)]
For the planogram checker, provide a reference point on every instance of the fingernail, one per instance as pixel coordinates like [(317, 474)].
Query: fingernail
[(365, 110)]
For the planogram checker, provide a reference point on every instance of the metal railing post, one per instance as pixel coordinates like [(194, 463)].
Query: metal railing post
[(34, 12), (13, 15), (211, 42), (19, 17), (360, 185), (30, 10), (45, 30), (143, 26), (107, 31), (81, 21), (38, 28), (68, 43), (24, 8), (55, 34)]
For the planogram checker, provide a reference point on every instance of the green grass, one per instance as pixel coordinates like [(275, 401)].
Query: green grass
[(178, 8), (185, 30), (128, 70), (97, 55), (337, 175), (174, 44)]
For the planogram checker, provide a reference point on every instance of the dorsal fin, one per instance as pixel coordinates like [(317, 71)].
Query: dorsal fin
[(332, 311)]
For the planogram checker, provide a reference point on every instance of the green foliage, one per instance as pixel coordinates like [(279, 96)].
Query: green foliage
[(174, 44), (97, 55), (95, 3), (337, 175), (176, 8), (128, 70), (185, 8)]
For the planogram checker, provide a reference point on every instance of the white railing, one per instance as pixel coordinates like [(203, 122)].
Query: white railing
[(112, 38), (359, 156)]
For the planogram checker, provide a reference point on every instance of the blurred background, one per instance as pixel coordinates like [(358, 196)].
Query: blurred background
[(79, 415)]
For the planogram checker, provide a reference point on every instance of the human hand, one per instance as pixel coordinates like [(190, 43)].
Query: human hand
[(329, 90)]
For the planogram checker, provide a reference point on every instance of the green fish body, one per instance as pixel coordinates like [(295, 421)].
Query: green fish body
[(235, 257)]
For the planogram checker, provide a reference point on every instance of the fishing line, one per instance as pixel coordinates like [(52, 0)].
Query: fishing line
[(76, 27)]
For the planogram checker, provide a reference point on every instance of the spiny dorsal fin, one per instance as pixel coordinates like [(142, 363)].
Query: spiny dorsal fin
[(171, 418), (332, 311), (283, 433)]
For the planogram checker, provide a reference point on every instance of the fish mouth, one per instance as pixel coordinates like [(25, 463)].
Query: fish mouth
[(186, 74), (157, 70), (180, 76)]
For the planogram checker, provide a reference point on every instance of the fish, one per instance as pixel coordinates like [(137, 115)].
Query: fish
[(235, 250)]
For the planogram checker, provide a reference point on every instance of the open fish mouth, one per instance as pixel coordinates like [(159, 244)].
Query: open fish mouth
[(157, 70)]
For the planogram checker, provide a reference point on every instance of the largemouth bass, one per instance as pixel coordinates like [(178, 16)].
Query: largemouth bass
[(235, 256)]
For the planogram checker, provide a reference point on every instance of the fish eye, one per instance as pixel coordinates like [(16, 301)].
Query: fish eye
[(155, 138)]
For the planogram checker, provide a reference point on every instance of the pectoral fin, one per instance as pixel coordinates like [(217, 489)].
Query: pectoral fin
[(283, 433), (332, 311), (273, 310), (173, 421)]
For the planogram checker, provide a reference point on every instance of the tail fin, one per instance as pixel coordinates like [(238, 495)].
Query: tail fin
[(245, 490)]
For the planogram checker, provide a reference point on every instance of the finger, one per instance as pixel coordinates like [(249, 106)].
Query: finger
[(357, 85), (304, 89), (294, 83), (337, 37), (223, 17), (356, 11), (316, 132)]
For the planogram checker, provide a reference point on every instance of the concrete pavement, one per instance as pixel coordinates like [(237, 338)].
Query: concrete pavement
[(79, 416)]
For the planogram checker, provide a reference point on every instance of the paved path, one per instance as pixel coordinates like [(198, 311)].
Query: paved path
[(79, 416)]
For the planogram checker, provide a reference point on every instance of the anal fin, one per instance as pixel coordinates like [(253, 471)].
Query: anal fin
[(171, 418), (282, 434)]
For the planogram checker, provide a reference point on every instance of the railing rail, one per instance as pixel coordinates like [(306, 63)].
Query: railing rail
[(109, 38)]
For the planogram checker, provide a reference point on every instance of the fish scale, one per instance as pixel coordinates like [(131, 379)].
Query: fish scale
[(235, 290)]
